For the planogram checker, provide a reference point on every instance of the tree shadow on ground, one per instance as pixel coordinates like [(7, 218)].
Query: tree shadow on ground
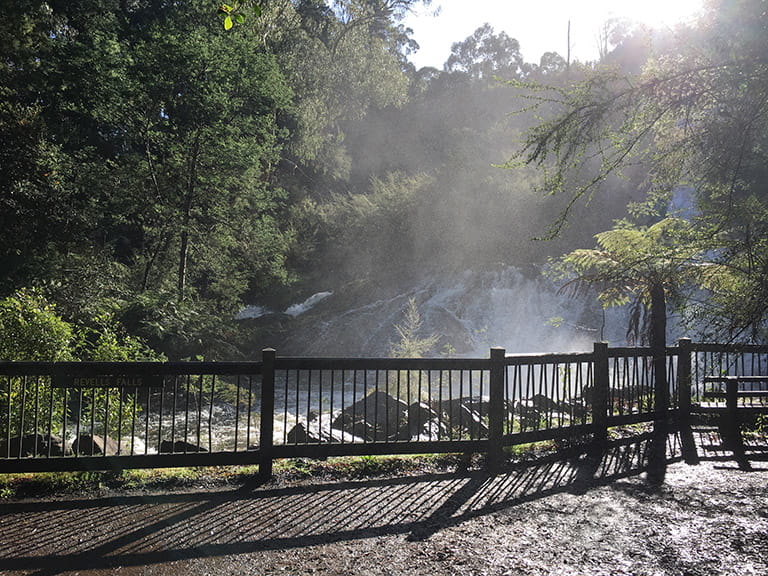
[(51, 537)]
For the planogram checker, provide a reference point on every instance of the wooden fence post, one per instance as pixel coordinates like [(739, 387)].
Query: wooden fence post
[(267, 423), (684, 382), (495, 454), (600, 395)]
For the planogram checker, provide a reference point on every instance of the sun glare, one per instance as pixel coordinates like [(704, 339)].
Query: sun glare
[(539, 26), (655, 13)]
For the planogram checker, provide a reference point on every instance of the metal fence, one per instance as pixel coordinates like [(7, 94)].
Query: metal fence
[(98, 415), (70, 416)]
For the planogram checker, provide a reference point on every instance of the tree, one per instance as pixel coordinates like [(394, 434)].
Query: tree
[(645, 267), (696, 115), (147, 155), (485, 54), (342, 60), (410, 344)]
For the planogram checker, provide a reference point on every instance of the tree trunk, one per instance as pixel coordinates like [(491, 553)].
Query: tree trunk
[(659, 346), (187, 214)]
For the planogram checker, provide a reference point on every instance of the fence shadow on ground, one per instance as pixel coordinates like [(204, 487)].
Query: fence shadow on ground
[(712, 446), (51, 537)]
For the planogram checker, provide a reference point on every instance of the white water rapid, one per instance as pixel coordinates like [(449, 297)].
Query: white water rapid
[(469, 312)]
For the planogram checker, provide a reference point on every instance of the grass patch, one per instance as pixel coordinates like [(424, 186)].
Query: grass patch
[(58, 483), (296, 469)]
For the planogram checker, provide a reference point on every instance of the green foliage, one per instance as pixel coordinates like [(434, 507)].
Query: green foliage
[(236, 12), (107, 341), (31, 330), (364, 232), (407, 384)]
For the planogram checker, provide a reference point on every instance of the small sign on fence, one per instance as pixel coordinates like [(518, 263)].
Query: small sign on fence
[(109, 381)]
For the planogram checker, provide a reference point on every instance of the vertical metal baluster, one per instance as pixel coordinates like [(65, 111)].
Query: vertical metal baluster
[(320, 406), (590, 382), (612, 379), (161, 414), (298, 409), (343, 393), (412, 400), (37, 408), (7, 431), (425, 380), (431, 402), (638, 388), (79, 418), (460, 403), (407, 385), (354, 399), (376, 408), (568, 391), (147, 415), (309, 397), (365, 401), (173, 408), (200, 386), (50, 421), (441, 412), (482, 387), (186, 411), (285, 407), (250, 411), (544, 387), (557, 384), (556, 389), (133, 418), (237, 410), (386, 390), (23, 407), (330, 408), (578, 392), (210, 413), (451, 403)]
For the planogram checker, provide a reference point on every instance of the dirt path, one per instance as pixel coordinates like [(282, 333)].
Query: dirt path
[(549, 516)]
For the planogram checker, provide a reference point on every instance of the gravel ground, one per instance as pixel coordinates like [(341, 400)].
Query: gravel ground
[(550, 515)]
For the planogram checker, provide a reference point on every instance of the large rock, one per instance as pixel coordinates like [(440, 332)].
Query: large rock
[(467, 414), (430, 431), (420, 419), (378, 416), (89, 445), (179, 447), (470, 420), (312, 433), (31, 445)]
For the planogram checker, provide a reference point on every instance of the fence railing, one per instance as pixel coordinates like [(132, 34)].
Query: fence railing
[(69, 416)]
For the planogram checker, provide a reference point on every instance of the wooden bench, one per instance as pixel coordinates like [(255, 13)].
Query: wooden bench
[(736, 407)]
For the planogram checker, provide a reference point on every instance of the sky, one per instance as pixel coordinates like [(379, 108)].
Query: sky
[(539, 25)]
